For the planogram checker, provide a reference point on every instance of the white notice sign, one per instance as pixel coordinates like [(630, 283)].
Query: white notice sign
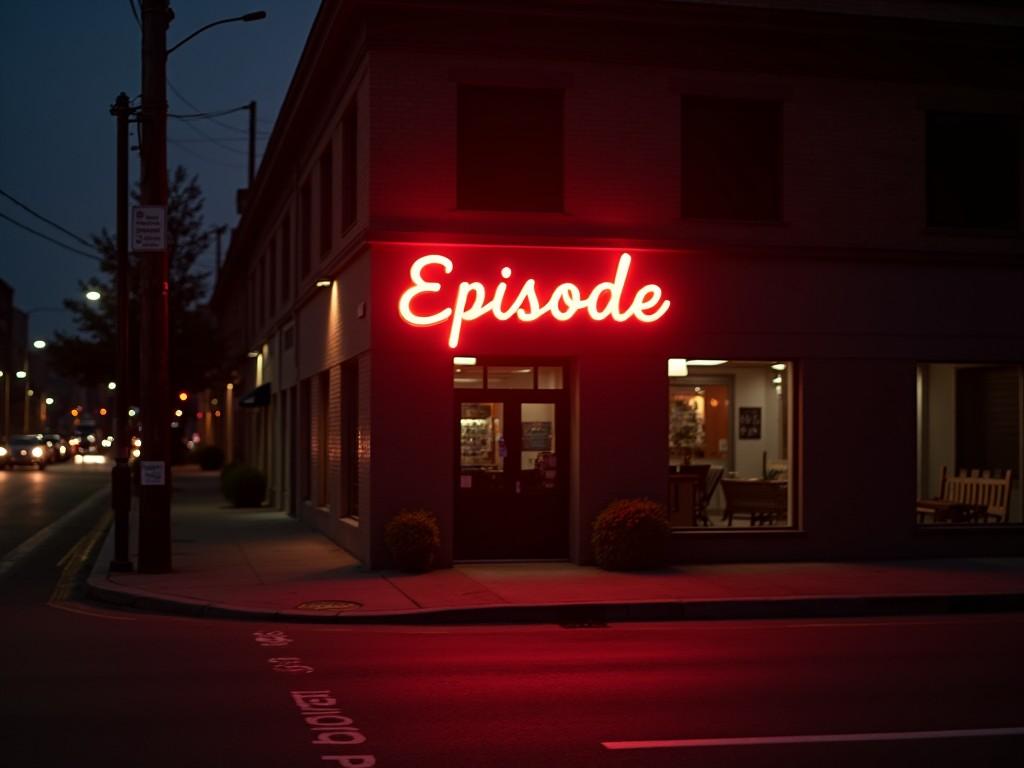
[(152, 472), (149, 228)]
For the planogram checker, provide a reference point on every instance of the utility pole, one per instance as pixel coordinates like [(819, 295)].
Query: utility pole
[(154, 496), (252, 143), (219, 231), (121, 475)]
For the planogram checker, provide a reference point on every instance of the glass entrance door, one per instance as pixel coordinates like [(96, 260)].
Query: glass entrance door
[(511, 482)]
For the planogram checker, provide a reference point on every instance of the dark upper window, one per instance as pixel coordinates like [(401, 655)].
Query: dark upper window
[(326, 198), (348, 168), (510, 149), (305, 226), (731, 159), (973, 170)]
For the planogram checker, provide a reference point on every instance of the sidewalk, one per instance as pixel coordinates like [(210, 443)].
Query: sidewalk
[(262, 564)]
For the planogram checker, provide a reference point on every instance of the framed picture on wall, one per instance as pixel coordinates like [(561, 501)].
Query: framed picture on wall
[(750, 424)]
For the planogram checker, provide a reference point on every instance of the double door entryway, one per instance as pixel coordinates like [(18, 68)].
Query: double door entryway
[(511, 465)]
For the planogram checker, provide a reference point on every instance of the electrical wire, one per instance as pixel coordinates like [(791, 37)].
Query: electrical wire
[(135, 13), (52, 223), (189, 150), (50, 239)]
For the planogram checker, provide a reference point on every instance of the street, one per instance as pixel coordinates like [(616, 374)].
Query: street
[(85, 684)]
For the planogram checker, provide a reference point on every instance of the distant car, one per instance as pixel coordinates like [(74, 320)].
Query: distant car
[(59, 447), (29, 450)]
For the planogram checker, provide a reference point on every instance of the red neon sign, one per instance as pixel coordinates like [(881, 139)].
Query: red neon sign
[(473, 301)]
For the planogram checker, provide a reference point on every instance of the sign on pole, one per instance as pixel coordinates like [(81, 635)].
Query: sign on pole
[(149, 228)]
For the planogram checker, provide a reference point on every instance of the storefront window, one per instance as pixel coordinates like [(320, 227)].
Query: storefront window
[(729, 438), (469, 377), (509, 377), (467, 374), (969, 426)]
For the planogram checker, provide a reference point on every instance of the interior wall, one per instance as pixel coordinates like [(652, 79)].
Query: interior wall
[(754, 389), (940, 450)]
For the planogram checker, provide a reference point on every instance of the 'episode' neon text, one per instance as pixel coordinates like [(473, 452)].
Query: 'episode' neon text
[(473, 300)]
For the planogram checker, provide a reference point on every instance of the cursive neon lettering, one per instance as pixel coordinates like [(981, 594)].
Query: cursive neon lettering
[(604, 301)]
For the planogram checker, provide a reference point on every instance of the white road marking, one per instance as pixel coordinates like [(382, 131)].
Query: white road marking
[(823, 738), (40, 537)]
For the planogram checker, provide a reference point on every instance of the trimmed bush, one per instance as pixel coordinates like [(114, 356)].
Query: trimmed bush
[(412, 537), (631, 534), (226, 478), (244, 486), (210, 457)]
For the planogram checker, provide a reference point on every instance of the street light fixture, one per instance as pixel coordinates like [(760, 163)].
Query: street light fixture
[(39, 344), (254, 16), (21, 374), (93, 295)]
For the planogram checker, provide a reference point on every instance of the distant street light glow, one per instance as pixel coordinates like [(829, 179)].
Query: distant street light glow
[(21, 374), (93, 295), (49, 401), (39, 344), (111, 385)]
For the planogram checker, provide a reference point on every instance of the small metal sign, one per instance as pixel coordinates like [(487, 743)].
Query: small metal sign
[(152, 473), (149, 228)]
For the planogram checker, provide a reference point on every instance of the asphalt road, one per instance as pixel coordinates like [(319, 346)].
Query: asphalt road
[(30, 500), (83, 684)]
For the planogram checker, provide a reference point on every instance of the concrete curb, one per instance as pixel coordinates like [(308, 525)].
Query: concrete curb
[(582, 614)]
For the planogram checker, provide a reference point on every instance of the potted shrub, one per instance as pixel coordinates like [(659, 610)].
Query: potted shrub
[(631, 534), (210, 457), (244, 486), (412, 537)]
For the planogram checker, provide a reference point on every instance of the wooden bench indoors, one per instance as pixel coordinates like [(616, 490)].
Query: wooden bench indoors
[(972, 495)]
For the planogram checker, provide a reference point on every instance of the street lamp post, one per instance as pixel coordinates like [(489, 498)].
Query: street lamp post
[(154, 497), (121, 474), (154, 494)]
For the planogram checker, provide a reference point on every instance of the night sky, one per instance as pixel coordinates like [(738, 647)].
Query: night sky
[(63, 63)]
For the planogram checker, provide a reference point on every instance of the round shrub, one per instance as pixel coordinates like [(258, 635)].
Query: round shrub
[(245, 486), (631, 534), (412, 537), (210, 457), (227, 478)]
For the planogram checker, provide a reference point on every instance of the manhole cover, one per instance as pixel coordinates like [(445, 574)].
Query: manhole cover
[(328, 605)]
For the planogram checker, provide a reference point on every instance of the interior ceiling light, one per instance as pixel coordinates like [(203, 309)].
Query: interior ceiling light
[(464, 360), (677, 366)]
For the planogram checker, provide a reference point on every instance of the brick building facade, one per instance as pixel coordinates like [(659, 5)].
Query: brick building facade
[(827, 196)]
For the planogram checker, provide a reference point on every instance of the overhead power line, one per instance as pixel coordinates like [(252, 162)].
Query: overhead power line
[(50, 239), (42, 218)]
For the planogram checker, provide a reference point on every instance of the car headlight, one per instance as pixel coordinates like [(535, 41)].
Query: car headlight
[(37, 452), (3, 451)]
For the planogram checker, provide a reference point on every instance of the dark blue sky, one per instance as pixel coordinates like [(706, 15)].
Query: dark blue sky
[(63, 62)]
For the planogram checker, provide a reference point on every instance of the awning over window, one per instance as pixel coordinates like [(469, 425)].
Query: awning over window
[(257, 398)]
